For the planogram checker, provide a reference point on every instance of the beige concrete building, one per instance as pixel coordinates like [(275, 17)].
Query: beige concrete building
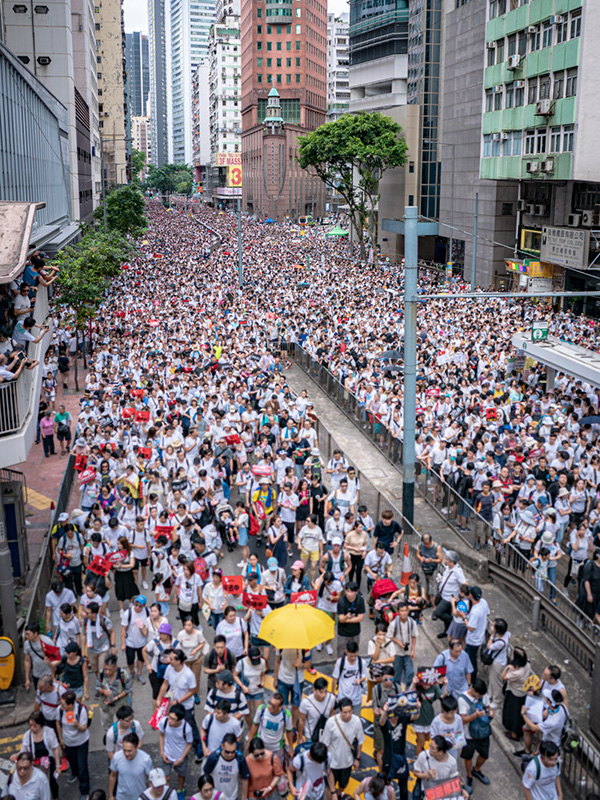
[(141, 139), (110, 57)]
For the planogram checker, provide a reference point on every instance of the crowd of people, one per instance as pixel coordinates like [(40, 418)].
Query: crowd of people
[(192, 451)]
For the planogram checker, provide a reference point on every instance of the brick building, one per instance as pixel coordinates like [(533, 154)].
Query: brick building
[(284, 47)]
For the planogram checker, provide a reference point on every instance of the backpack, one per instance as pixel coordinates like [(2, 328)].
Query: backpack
[(160, 667), (342, 561), (119, 678), (168, 796), (570, 738), (262, 715), (130, 614), (382, 587), (115, 732), (78, 707), (488, 657), (359, 663), (479, 728), (254, 525), (201, 568)]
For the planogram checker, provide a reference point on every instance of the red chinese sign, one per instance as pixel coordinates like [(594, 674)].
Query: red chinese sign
[(255, 601), (308, 598)]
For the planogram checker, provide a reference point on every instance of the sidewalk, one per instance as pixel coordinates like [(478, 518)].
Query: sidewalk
[(44, 475), (541, 648)]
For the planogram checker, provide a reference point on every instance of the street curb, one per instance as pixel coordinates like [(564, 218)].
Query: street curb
[(12, 716)]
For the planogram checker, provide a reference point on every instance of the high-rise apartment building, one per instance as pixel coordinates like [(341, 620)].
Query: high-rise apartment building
[(284, 47), (539, 130), (338, 63), (200, 122), (157, 51), (138, 71), (141, 139), (112, 95), (225, 107), (189, 23)]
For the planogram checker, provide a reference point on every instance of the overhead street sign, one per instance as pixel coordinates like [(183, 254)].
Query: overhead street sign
[(539, 332)]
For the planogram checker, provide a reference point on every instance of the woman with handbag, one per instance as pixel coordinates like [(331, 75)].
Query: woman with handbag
[(515, 674), (277, 541), (41, 741), (266, 771)]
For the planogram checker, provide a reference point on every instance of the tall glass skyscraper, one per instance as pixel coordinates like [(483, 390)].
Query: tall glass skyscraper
[(138, 72)]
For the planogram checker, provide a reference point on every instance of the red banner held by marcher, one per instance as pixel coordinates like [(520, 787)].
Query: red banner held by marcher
[(308, 598), (256, 601), (100, 565), (233, 584)]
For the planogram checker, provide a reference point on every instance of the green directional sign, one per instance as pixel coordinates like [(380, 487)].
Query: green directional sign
[(539, 332)]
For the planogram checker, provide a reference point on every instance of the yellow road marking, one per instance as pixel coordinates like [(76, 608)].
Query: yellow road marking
[(37, 500)]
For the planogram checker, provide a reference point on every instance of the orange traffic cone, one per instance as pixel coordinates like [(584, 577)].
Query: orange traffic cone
[(406, 567)]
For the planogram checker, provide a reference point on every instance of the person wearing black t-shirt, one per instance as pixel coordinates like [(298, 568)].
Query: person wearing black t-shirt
[(218, 660), (388, 532), (350, 613)]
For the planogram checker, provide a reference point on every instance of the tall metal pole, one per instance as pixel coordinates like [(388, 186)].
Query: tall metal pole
[(7, 594), (102, 182), (239, 229), (474, 257), (410, 360)]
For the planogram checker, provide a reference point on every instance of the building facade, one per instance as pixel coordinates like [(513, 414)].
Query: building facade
[(188, 29), (284, 46), (141, 139), (200, 122), (112, 100), (225, 108), (539, 131), (338, 66), (157, 52), (137, 55)]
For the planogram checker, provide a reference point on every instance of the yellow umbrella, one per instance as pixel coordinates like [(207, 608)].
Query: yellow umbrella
[(297, 627)]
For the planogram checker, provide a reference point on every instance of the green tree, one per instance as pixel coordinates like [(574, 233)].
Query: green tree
[(138, 161), (351, 155), (170, 178), (124, 211)]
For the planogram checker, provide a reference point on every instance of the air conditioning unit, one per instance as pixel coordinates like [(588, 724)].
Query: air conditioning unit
[(530, 210), (496, 137), (574, 220), (548, 165), (504, 135), (531, 29), (541, 211), (519, 84), (521, 205), (594, 245), (543, 108), (533, 166), (558, 19), (514, 62), (497, 89), (587, 218), (491, 45)]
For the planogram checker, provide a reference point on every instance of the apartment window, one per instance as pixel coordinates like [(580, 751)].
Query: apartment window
[(269, 77), (98, 59), (491, 57), (259, 61), (269, 62), (99, 76), (298, 44), (298, 29), (259, 30), (279, 79), (544, 87), (555, 140), (97, 26), (571, 83), (298, 12), (509, 97), (499, 51), (489, 100), (532, 92), (259, 77), (534, 40), (568, 138), (501, 7), (487, 145), (259, 45), (507, 146), (278, 45), (297, 78), (259, 12), (269, 46), (288, 28), (529, 143), (279, 30), (562, 31), (288, 78), (493, 9), (268, 30), (99, 92), (288, 45), (541, 140), (496, 146), (498, 101), (517, 142), (297, 61), (278, 62), (522, 43), (576, 24), (547, 35), (288, 62), (512, 44), (559, 82)]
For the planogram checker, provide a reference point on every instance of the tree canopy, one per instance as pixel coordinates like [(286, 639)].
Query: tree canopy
[(170, 178), (350, 155), (124, 211), (138, 161)]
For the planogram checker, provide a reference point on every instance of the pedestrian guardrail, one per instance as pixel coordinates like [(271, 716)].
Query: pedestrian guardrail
[(553, 610), (45, 567)]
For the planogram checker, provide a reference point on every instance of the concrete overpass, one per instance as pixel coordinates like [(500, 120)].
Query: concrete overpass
[(560, 356)]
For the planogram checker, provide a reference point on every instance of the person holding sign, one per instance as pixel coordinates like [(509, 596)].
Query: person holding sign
[(435, 766)]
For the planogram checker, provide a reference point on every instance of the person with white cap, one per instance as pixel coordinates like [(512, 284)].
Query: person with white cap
[(159, 788)]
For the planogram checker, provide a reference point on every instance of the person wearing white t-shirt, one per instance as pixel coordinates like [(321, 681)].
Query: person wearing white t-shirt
[(130, 767), (216, 725), (541, 779), (180, 682), (124, 724), (315, 710), (135, 627), (449, 725), (235, 631), (349, 675), (476, 623), (176, 740), (74, 737), (344, 736), (312, 767)]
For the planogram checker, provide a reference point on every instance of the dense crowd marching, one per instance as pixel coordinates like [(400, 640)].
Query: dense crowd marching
[(190, 444)]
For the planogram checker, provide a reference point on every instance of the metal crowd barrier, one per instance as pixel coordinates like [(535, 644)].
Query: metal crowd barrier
[(554, 611)]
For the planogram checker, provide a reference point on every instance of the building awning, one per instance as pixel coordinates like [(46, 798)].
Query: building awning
[(16, 222), (561, 356)]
